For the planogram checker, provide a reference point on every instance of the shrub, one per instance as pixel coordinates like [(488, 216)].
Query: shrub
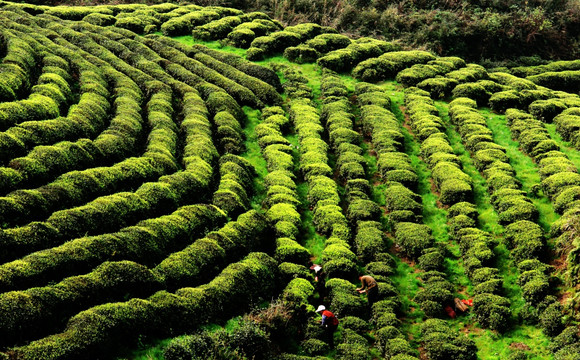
[(298, 291), (289, 271), (492, 311), (419, 72), (557, 183), (567, 337), (216, 29), (389, 64), (301, 54), (439, 87), (536, 289), (354, 323), (314, 347), (325, 43), (183, 25), (340, 268), (475, 91), (442, 343), (369, 240), (343, 60), (453, 191), (100, 19), (353, 351), (431, 260), (384, 334), (363, 210), (462, 208), (290, 251), (551, 319), (251, 340), (398, 197), (232, 289), (559, 80), (503, 100), (546, 110), (382, 268), (283, 212), (412, 238), (197, 345), (326, 217), (566, 199)]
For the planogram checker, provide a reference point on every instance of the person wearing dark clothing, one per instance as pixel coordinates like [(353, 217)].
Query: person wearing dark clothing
[(320, 279), (329, 322), (370, 286)]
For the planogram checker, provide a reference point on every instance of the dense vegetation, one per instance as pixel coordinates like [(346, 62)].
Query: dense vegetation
[(169, 173), (477, 31)]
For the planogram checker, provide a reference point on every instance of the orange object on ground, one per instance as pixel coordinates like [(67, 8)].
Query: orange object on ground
[(460, 306), (468, 302)]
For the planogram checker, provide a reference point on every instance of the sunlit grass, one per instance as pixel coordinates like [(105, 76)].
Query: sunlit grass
[(493, 346)]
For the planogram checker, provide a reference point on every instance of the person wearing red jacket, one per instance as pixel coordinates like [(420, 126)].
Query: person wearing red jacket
[(329, 322)]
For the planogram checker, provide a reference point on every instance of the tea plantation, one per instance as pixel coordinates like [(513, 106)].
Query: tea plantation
[(169, 174)]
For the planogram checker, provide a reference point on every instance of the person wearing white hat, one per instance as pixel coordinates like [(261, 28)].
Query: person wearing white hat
[(329, 322)]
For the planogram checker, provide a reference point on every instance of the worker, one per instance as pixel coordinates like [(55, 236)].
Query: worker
[(329, 322), (370, 286), (320, 279)]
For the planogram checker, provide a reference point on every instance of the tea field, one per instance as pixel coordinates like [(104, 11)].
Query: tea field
[(169, 174)]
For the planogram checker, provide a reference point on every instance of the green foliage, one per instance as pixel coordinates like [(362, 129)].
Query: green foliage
[(492, 311), (412, 238), (503, 100), (155, 97), (44, 307), (229, 292), (389, 64), (290, 251), (443, 343), (345, 59), (568, 80)]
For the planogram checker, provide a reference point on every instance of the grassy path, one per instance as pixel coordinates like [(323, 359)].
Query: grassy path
[(254, 156)]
